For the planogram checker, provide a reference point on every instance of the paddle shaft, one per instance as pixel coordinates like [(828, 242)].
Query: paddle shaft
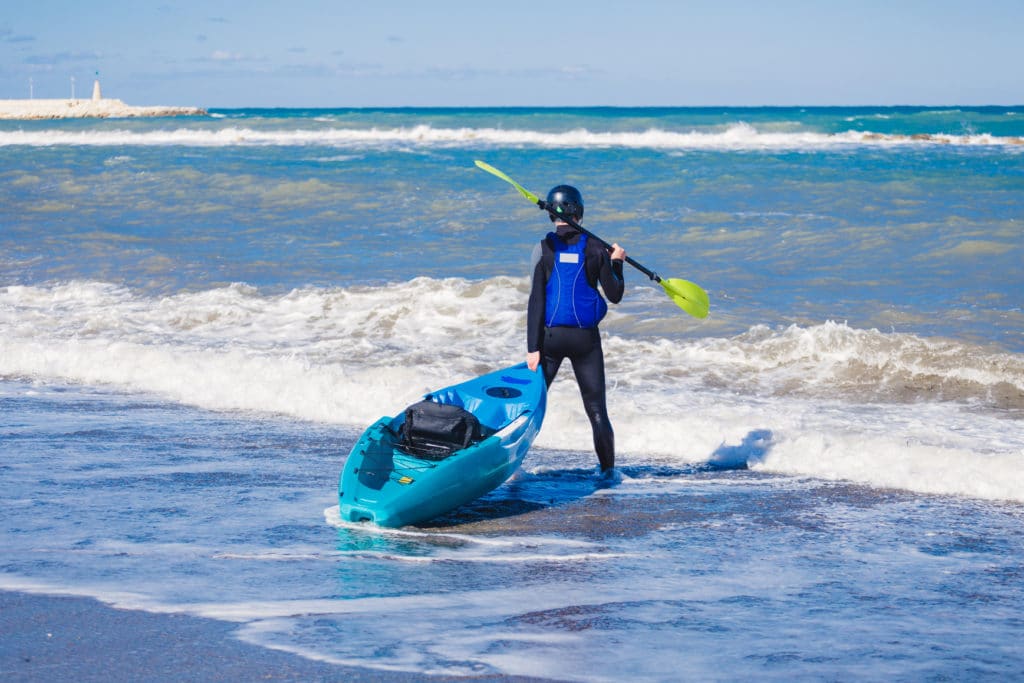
[(688, 296), (569, 221)]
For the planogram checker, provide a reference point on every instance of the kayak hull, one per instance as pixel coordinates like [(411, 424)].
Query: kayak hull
[(385, 484)]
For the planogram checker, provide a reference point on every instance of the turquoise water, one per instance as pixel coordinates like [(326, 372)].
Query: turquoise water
[(789, 214), (822, 479)]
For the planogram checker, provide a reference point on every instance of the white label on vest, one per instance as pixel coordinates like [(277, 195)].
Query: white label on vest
[(568, 258)]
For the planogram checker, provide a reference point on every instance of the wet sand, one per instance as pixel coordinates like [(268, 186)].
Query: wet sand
[(48, 638)]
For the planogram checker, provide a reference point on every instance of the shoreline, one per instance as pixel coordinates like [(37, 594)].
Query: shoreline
[(29, 110), (56, 637)]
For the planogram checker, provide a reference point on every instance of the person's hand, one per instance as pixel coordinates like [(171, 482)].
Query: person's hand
[(533, 360), (618, 253)]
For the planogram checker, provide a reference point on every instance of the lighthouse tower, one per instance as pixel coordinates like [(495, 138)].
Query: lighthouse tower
[(96, 96)]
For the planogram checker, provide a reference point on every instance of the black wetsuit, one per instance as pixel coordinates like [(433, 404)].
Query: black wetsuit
[(582, 346)]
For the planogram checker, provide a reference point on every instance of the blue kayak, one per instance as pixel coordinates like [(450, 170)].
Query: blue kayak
[(452, 447)]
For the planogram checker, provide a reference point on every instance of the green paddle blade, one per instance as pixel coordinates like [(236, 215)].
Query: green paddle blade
[(522, 190), (687, 296)]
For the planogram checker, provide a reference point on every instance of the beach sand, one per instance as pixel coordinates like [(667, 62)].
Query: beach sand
[(49, 638), (71, 109)]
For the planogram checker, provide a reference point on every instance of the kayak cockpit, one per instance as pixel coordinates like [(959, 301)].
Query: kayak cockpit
[(452, 419)]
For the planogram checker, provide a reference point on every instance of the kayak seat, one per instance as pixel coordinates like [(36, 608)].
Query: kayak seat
[(433, 431)]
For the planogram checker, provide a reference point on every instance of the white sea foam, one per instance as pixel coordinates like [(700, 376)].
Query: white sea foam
[(739, 136), (274, 556), (828, 400), (488, 558), (332, 516), (458, 644)]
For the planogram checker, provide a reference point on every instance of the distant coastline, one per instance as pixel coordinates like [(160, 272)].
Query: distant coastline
[(80, 108)]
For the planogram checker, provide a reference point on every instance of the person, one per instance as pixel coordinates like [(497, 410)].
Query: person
[(565, 308)]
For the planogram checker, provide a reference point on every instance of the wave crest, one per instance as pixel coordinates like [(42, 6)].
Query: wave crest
[(739, 136), (430, 330), (833, 360)]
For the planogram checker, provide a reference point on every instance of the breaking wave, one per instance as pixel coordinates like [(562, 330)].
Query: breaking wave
[(214, 348), (740, 136), (827, 400)]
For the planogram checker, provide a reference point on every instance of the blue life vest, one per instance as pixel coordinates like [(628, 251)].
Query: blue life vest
[(570, 300)]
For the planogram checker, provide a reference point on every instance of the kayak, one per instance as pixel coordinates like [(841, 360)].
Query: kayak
[(452, 447)]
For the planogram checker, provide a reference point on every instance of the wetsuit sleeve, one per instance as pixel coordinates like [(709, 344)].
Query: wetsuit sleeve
[(535, 309), (610, 275)]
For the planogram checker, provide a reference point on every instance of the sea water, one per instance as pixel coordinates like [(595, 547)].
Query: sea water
[(823, 479)]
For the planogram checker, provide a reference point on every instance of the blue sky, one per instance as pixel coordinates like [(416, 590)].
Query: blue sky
[(312, 53)]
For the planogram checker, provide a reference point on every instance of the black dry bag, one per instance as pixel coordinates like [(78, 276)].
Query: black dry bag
[(436, 430)]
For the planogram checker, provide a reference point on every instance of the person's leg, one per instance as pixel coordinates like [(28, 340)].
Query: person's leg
[(550, 365), (553, 353), (588, 364)]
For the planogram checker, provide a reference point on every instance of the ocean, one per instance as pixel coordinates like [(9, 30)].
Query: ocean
[(824, 479)]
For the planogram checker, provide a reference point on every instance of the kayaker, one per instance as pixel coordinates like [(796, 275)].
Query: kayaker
[(566, 307)]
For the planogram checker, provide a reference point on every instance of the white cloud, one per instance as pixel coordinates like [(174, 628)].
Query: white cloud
[(226, 56)]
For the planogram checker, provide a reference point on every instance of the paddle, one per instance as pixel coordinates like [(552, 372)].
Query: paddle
[(687, 295)]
